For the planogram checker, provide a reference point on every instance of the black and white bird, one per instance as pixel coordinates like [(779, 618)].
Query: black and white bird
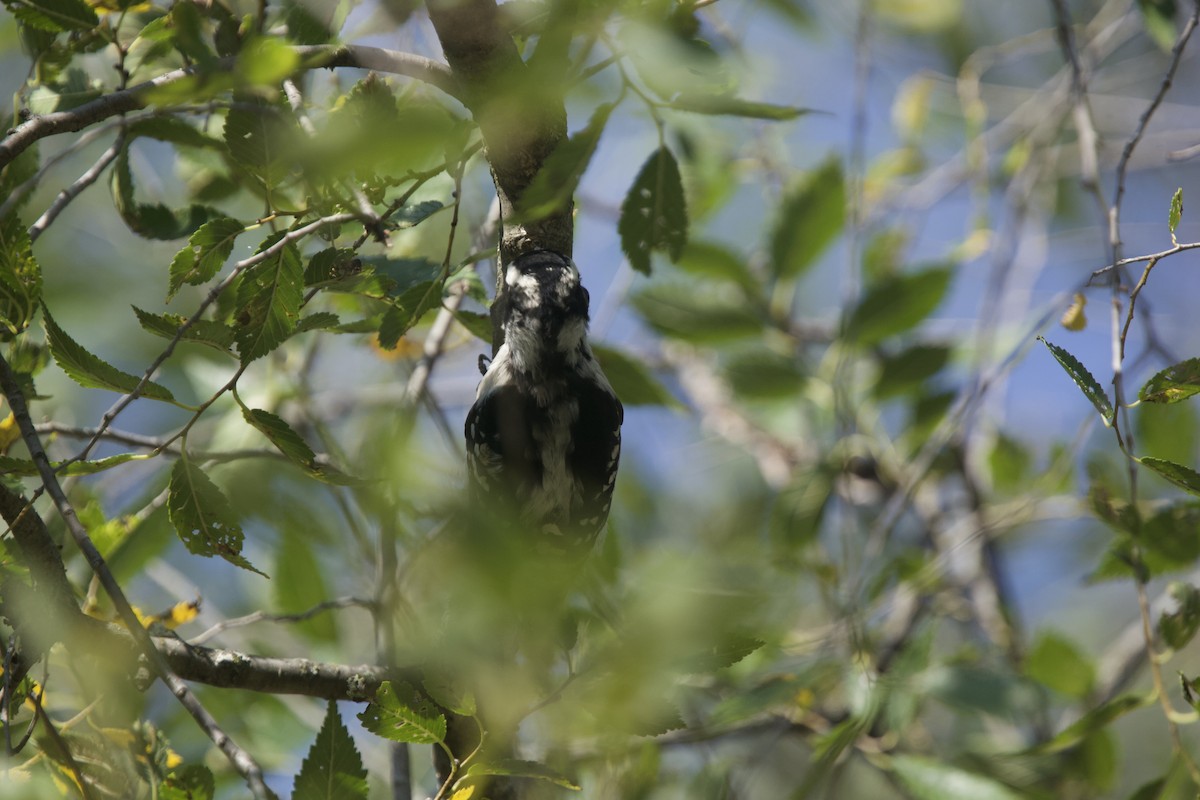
[(544, 434)]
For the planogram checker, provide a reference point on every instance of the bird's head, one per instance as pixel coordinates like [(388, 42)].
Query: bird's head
[(546, 310)]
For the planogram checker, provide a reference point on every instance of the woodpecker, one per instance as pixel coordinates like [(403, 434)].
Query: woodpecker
[(544, 434)]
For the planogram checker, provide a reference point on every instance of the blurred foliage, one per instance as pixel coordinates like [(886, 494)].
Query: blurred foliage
[(812, 580)]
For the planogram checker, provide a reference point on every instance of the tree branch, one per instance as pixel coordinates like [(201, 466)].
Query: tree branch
[(135, 97)]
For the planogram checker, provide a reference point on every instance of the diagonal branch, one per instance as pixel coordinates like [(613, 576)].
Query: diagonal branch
[(135, 97)]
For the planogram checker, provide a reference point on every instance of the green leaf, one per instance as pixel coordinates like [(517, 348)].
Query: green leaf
[(1009, 462), (304, 26), (1169, 431), (23, 466), (152, 220), (927, 779), (202, 516), (1181, 476), (190, 782), (516, 768), (333, 769), (1179, 627), (319, 321), (1176, 382), (1176, 212), (736, 107), (54, 16), (268, 300), (401, 714), (554, 185), (634, 384), (407, 311), (305, 586), (811, 217), (1159, 19), (89, 371), (1083, 379), (687, 311), (20, 278), (714, 261), (1055, 662), (654, 213), (203, 331), (1169, 538), (897, 304), (1094, 720), (798, 511), (263, 140), (265, 61), (908, 370), (205, 254), (449, 695), (762, 374), (286, 440), (479, 325)]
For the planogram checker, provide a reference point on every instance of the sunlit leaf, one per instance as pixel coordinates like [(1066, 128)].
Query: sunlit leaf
[(401, 714), (205, 253), (1083, 379), (23, 466), (1179, 627), (1183, 477), (519, 769), (736, 107), (90, 371), (203, 331), (1055, 662), (654, 213), (1159, 19), (333, 768), (54, 15), (1176, 382), (20, 278), (202, 516), (286, 440), (1176, 212), (268, 301), (810, 218), (191, 782), (1094, 720), (928, 779)]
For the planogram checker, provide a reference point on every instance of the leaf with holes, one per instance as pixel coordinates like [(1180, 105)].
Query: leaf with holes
[(90, 371), (1183, 477), (654, 214), (1083, 379), (205, 254), (1176, 382), (203, 331), (333, 768), (401, 714), (268, 300), (202, 516), (20, 278)]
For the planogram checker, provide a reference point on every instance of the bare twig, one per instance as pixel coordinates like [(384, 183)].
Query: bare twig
[(262, 616), (85, 180)]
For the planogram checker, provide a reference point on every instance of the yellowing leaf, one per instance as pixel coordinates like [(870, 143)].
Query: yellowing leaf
[(1074, 319), (9, 432), (465, 793)]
